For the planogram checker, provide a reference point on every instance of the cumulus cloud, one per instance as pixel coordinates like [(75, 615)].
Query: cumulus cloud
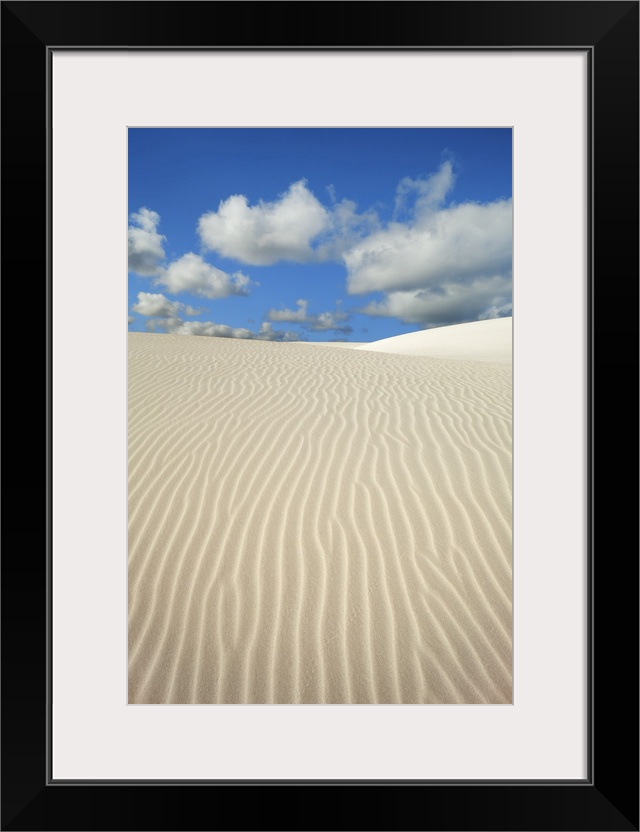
[(449, 303), (298, 316), (145, 243), (321, 322), (428, 192), (329, 321), (295, 227), (176, 326), (436, 264), (455, 244), (267, 232), (130, 320), (158, 305), (346, 227), (268, 333), (189, 273), (192, 274)]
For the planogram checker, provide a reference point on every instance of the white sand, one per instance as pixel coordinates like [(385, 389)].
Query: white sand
[(477, 341), (315, 525), (347, 344)]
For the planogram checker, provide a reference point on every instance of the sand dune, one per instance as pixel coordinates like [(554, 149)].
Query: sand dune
[(351, 345), (315, 525), (476, 341)]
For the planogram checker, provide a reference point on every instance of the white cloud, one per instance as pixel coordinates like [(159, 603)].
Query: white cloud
[(345, 229), (295, 227), (496, 312), (455, 244), (269, 231), (176, 326), (326, 321), (437, 262), (321, 322), (289, 315), (130, 320), (268, 333), (436, 265), (430, 191), (192, 274), (145, 243), (209, 328), (447, 304), (158, 305)]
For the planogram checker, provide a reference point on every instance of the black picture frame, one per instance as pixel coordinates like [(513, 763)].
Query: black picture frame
[(608, 798)]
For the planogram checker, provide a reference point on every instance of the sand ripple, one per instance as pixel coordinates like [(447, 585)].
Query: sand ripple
[(312, 525)]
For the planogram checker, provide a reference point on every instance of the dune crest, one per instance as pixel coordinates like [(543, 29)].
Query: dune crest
[(317, 525), (476, 341)]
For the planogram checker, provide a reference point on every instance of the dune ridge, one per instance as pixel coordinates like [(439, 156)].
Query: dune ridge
[(317, 525), (489, 340)]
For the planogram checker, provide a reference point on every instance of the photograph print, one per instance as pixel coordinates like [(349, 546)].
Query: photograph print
[(320, 416)]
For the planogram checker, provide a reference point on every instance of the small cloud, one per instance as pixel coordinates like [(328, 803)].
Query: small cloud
[(497, 312), (329, 321), (289, 315), (176, 326), (194, 275), (145, 243), (189, 273), (158, 305), (428, 192), (268, 333), (130, 320), (321, 322)]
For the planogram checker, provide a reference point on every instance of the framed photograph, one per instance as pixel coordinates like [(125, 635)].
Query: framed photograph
[(346, 541), (267, 564)]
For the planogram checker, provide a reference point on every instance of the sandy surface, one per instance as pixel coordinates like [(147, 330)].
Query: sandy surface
[(477, 341), (315, 525), (345, 344)]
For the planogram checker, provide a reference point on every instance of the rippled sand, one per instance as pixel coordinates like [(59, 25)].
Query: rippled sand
[(317, 525)]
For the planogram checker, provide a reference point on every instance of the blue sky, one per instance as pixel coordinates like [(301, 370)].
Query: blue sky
[(317, 234)]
